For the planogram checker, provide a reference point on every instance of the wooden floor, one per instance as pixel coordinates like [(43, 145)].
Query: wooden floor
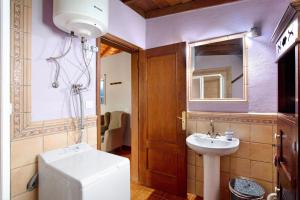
[(139, 192)]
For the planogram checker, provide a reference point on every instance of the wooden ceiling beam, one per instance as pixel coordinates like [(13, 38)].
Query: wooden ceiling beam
[(128, 2), (190, 5)]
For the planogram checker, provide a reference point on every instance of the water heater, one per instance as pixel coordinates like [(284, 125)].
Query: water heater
[(86, 18)]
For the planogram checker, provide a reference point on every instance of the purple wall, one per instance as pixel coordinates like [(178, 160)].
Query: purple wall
[(127, 24), (224, 20), (47, 40)]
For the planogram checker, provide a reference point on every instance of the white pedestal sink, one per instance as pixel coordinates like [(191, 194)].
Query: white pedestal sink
[(212, 149)]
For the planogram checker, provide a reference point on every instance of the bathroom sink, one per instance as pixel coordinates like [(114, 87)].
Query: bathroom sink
[(204, 144), (212, 149)]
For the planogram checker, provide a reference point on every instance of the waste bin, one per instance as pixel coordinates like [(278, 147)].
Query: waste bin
[(244, 188)]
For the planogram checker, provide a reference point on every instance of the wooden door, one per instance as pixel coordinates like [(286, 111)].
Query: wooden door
[(162, 101)]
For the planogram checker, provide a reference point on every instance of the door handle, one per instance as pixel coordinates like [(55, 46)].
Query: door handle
[(183, 120)]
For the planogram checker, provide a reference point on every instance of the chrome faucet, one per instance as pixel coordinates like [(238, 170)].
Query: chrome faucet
[(212, 134)]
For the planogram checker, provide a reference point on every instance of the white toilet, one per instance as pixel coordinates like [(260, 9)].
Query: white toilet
[(80, 172)]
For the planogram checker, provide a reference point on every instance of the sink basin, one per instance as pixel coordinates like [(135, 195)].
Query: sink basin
[(212, 149), (204, 144)]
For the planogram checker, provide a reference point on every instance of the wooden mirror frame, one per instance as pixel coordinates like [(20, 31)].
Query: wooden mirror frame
[(190, 68)]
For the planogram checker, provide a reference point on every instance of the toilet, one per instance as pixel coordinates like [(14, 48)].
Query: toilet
[(80, 172)]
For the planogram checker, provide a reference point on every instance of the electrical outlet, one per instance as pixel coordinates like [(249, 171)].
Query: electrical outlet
[(89, 104)]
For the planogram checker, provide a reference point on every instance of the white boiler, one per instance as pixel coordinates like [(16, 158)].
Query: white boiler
[(85, 18)]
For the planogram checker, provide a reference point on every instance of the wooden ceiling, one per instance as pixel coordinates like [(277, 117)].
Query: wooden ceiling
[(156, 8), (107, 50), (229, 47)]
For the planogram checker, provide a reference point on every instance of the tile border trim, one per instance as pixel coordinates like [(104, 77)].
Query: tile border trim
[(253, 118)]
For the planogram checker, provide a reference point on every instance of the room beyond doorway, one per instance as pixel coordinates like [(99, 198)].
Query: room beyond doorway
[(117, 48), (115, 99)]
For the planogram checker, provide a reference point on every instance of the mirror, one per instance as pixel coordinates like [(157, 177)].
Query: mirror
[(217, 69)]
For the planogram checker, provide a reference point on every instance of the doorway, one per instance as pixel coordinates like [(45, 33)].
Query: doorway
[(157, 121), (116, 93), (115, 100)]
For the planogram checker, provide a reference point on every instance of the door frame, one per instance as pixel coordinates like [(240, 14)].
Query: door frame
[(136, 53)]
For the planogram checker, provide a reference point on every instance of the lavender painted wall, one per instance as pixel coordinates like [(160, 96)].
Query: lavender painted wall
[(127, 24), (47, 40), (49, 103), (224, 20)]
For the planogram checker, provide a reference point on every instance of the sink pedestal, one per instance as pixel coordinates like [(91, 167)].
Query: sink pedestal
[(211, 165)]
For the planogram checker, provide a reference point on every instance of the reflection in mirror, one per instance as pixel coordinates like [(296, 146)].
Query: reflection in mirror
[(217, 70)]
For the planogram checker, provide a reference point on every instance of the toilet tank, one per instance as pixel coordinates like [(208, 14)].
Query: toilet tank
[(85, 18)]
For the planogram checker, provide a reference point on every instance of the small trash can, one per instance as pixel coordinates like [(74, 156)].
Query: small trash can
[(243, 188)]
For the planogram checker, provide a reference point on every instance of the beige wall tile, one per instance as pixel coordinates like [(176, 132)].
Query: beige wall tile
[(243, 151), (224, 179), (25, 152), (261, 152), (225, 163), (20, 177), (199, 160), (33, 195), (191, 126), (240, 166), (191, 186), (191, 157), (261, 170), (199, 174), (221, 127), (203, 126), (199, 188), (275, 131), (191, 173), (274, 174), (55, 141), (261, 134), (242, 131), (73, 137), (92, 135)]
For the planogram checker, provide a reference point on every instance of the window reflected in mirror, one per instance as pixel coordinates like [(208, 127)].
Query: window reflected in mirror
[(217, 69)]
